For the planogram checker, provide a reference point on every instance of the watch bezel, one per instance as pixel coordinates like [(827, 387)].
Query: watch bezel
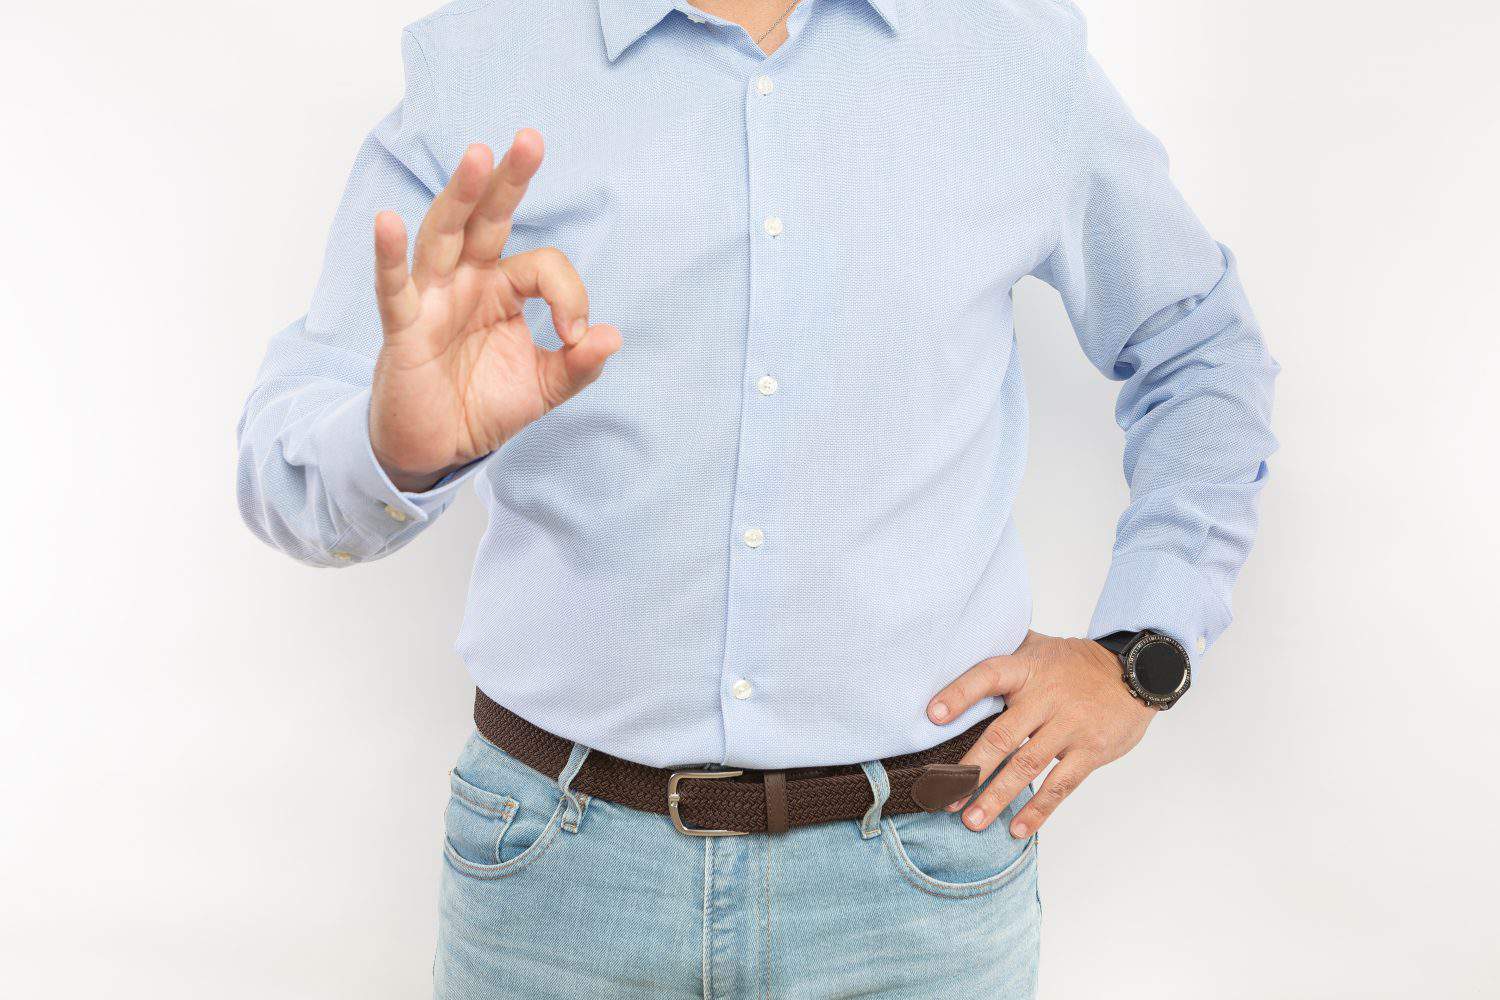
[(1128, 668)]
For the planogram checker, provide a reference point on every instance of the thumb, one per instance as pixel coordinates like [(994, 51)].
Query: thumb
[(566, 372), (1002, 675)]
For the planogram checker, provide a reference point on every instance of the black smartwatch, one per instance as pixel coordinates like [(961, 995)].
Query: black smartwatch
[(1155, 666)]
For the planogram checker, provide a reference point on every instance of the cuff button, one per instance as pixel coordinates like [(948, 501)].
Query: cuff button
[(396, 513)]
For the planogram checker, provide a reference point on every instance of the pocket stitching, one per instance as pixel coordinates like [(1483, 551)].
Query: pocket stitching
[(908, 869), (505, 868), (507, 810)]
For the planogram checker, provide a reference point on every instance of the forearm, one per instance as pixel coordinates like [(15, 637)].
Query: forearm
[(1196, 410)]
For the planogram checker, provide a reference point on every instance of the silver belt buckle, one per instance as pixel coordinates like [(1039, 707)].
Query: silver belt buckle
[(674, 799)]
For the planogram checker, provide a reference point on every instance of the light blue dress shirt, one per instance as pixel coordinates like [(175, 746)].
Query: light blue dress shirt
[(781, 520)]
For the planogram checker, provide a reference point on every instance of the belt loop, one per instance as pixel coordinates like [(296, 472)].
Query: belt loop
[(880, 787), (776, 811), (577, 802)]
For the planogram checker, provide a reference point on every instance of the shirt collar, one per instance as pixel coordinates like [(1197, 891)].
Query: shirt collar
[(625, 21)]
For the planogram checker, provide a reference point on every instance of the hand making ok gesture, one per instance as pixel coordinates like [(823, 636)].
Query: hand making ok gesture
[(458, 373)]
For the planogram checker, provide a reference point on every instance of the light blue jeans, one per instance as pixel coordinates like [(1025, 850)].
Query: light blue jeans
[(548, 892)]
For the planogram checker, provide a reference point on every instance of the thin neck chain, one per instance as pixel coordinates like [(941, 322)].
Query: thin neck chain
[(776, 23)]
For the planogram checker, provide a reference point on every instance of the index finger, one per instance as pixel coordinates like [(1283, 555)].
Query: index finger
[(441, 235)]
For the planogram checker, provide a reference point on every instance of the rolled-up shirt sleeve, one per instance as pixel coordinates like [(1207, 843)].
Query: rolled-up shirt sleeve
[(1157, 305), (308, 481)]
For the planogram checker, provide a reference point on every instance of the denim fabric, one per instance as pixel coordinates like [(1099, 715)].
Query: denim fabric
[(549, 893)]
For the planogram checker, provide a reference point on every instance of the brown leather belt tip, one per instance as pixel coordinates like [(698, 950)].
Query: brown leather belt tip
[(730, 802)]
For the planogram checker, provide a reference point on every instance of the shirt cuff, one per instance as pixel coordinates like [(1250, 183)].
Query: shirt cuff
[(360, 489), (1161, 592)]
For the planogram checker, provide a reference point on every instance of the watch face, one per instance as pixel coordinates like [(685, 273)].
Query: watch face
[(1159, 668)]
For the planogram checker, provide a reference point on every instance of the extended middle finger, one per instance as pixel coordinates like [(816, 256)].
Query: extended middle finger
[(489, 226)]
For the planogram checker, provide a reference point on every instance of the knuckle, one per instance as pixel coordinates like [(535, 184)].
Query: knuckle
[(1029, 762), (992, 802), (959, 695), (1060, 786), (1006, 786), (985, 674), (999, 740)]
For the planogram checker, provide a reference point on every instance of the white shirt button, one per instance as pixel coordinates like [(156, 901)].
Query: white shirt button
[(342, 556), (754, 537), (773, 226), (1202, 644), (742, 689), (395, 513), (767, 385), (764, 85)]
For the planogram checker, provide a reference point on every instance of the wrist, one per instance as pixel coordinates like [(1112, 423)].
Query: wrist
[(413, 484), (419, 482), (408, 481), (403, 478)]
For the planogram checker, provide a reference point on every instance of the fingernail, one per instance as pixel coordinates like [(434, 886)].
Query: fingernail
[(954, 807), (1018, 830), (939, 711), (580, 328), (974, 816)]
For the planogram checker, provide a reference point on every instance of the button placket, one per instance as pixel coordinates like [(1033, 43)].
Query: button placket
[(755, 515)]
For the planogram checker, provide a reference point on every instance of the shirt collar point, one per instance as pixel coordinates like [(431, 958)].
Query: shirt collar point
[(890, 12), (624, 22)]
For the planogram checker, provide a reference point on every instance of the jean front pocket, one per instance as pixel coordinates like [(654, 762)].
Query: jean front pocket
[(477, 821), (501, 815), (938, 854)]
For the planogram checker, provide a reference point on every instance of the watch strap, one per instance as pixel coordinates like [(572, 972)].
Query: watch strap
[(1117, 642)]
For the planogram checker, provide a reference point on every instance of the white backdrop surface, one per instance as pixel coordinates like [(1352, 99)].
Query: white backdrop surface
[(223, 772)]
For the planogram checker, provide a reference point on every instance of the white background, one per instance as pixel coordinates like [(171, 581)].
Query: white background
[(222, 773)]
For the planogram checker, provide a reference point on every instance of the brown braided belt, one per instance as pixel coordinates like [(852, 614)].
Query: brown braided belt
[(741, 801)]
